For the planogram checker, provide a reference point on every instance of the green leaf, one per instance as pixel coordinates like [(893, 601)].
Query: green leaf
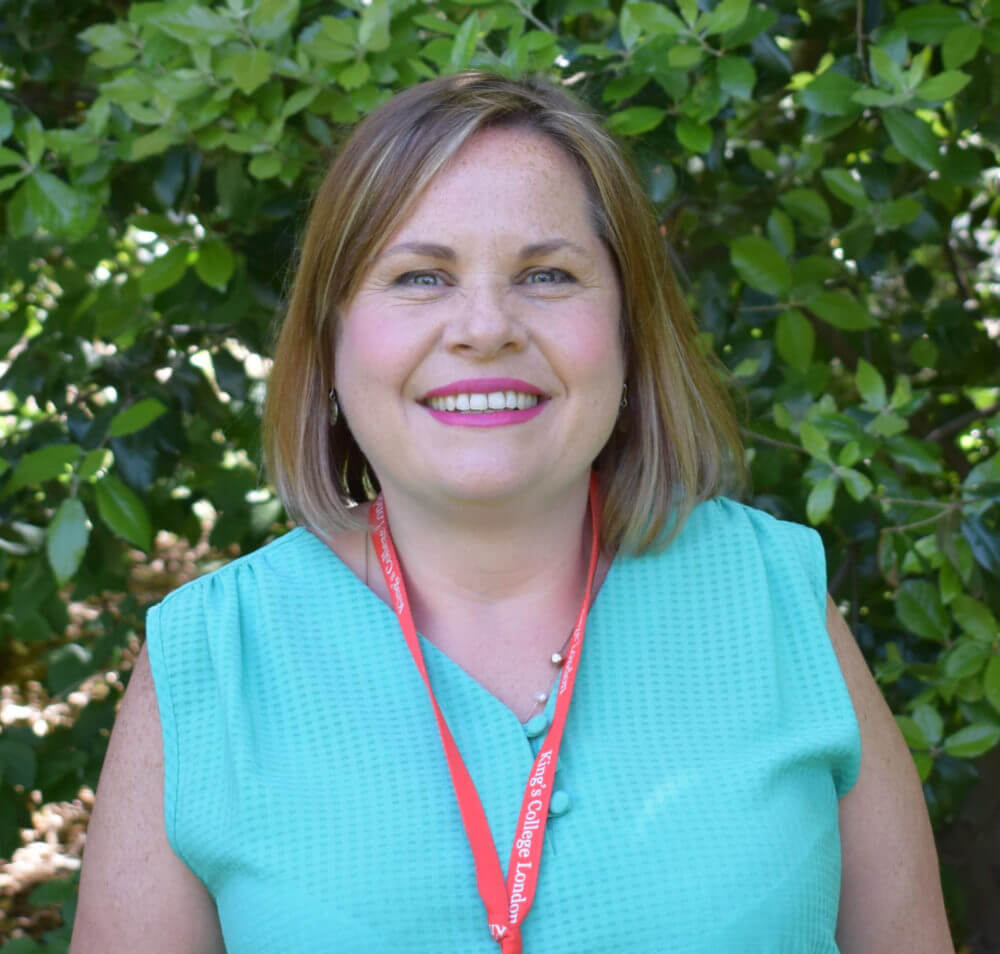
[(920, 610), (929, 23), (135, 418), (912, 137), (41, 465), (299, 100), (33, 136), (265, 166), (845, 187), (972, 741), (44, 201), (918, 455), (215, 263), (66, 540), (912, 732), (842, 311), (960, 46), (965, 659), (464, 43), (249, 69), (821, 499), (683, 57), (192, 23), (900, 212), (886, 70), (807, 206), (943, 86), (726, 16), (831, 94), (94, 461), (165, 271), (696, 137), (886, 424), (272, 19), (930, 722), (689, 10), (849, 454), (67, 667), (18, 763), (975, 618), (764, 159), (814, 441), (781, 231), (985, 544), (334, 41), (650, 18), (877, 97), (123, 512), (6, 121), (373, 30), (104, 36), (857, 484), (736, 76), (991, 682), (760, 264), (871, 385), (635, 120), (153, 143), (795, 339)]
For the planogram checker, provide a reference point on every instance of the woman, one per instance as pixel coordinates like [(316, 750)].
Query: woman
[(483, 326)]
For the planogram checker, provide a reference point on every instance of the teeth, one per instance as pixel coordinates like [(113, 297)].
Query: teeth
[(481, 403)]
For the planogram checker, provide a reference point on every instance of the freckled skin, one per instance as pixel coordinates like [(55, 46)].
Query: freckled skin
[(420, 321)]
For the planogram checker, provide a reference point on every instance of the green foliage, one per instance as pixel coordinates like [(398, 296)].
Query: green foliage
[(829, 189)]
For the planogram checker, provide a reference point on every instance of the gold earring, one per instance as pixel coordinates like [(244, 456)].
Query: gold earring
[(334, 407)]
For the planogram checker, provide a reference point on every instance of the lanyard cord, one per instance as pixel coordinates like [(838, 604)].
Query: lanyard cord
[(506, 905)]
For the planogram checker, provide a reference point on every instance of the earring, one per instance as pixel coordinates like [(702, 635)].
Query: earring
[(624, 403), (334, 407)]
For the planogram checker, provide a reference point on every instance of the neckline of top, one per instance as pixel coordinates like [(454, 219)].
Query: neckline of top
[(382, 607)]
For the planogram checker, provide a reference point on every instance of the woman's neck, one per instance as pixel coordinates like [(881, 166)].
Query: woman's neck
[(515, 574)]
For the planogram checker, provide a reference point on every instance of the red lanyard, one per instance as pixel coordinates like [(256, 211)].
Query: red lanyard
[(506, 905)]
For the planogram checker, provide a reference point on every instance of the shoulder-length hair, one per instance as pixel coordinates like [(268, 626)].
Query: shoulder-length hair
[(677, 442)]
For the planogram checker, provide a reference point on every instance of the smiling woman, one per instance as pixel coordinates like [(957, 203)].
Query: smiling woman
[(484, 336), (478, 324), (422, 202)]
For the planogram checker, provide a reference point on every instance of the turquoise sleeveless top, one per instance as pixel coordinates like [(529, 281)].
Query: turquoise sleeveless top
[(710, 738)]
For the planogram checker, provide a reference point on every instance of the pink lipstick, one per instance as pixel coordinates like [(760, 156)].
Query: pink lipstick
[(485, 402)]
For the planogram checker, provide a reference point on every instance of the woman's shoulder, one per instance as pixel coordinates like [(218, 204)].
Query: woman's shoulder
[(280, 558), (726, 521)]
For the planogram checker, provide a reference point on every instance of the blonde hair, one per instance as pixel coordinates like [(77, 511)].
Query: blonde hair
[(677, 442)]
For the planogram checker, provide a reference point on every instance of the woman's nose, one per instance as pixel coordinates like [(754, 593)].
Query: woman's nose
[(486, 322)]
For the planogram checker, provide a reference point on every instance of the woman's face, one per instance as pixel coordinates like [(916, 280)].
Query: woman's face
[(495, 293)]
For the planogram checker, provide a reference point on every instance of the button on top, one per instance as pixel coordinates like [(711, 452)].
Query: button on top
[(535, 726), (560, 803)]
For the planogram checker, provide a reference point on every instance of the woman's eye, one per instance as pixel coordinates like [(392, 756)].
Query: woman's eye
[(547, 276), (420, 279)]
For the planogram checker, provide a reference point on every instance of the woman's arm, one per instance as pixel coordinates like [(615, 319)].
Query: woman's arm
[(135, 893), (890, 899)]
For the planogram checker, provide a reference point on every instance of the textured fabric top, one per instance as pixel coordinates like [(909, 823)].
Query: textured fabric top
[(710, 738)]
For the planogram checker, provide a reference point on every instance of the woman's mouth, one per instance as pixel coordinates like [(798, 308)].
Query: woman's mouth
[(483, 402)]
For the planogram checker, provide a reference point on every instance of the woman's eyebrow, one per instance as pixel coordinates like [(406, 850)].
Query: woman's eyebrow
[(448, 254), (550, 245), (429, 249)]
